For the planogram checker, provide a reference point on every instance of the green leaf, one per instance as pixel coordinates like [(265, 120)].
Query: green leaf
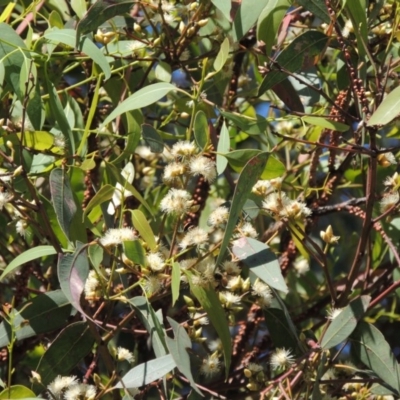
[(273, 169), (143, 227), (358, 15), (223, 147), (152, 138), (288, 93), (70, 38), (224, 6), (201, 130), (326, 123), (222, 55), (279, 329), (293, 57), (62, 198), (65, 352), (79, 6), (17, 392), (44, 313), (345, 323), (246, 17), (147, 372), (374, 351), (142, 98), (26, 256), (238, 158), (261, 261), (163, 72), (13, 54), (100, 12), (178, 349), (175, 281), (58, 114), (134, 250), (252, 126), (208, 299), (317, 7), (72, 272), (388, 110), (269, 22), (132, 140), (149, 319), (104, 194), (247, 179)]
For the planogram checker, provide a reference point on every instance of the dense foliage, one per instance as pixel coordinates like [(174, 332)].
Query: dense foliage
[(199, 199)]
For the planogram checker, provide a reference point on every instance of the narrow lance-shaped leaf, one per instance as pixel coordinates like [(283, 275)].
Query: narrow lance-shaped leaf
[(388, 110), (143, 227), (208, 299), (374, 351), (344, 324), (69, 347), (178, 348), (247, 179), (62, 198), (298, 54), (201, 130), (147, 372), (261, 261), (223, 147)]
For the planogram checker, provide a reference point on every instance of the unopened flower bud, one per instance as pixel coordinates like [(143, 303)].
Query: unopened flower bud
[(202, 22), (328, 236), (137, 28)]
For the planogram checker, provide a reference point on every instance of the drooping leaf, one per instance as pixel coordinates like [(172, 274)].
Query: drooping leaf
[(62, 198), (147, 372), (388, 110), (298, 54), (175, 281), (201, 130), (326, 123), (222, 55), (224, 6), (269, 22), (72, 271), (101, 11), (152, 324), (26, 256), (163, 72), (279, 329), (105, 193), (143, 227), (261, 261), (345, 323), (69, 347), (237, 159), (374, 351), (70, 38), (142, 98), (223, 147), (252, 126), (152, 138), (317, 7), (358, 15), (286, 91), (45, 313), (17, 392), (246, 17), (208, 299), (247, 179), (135, 252), (273, 169), (132, 140), (178, 349)]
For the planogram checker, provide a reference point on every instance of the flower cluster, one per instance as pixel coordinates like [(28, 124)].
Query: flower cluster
[(391, 198), (277, 203), (69, 388)]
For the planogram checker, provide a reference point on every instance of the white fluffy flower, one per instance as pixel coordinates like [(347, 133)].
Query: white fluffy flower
[(176, 201), (301, 265), (4, 199), (333, 313), (174, 171), (80, 391), (156, 261), (264, 293), (184, 149), (60, 384), (115, 236), (21, 227), (203, 166), (247, 229), (231, 268), (124, 354), (152, 284), (194, 237), (211, 365), (388, 201), (281, 358), (219, 216)]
